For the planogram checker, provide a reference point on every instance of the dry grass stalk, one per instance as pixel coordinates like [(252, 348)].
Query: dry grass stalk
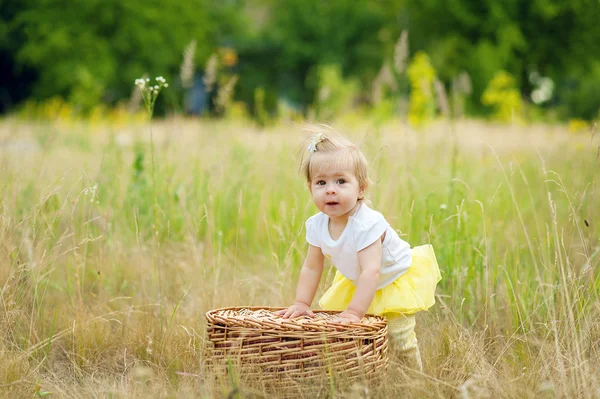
[(441, 98), (461, 86), (401, 52), (210, 72), (187, 67), (463, 83), (384, 78), (225, 93), (135, 98)]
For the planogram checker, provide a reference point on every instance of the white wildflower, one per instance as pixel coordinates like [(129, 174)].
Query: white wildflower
[(149, 92), (149, 346), (443, 206), (92, 191)]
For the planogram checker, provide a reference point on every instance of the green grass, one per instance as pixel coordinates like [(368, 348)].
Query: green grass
[(92, 304)]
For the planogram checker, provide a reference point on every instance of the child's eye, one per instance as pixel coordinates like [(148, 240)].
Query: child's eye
[(320, 183), (341, 181)]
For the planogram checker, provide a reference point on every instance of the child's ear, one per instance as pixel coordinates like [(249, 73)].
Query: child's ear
[(309, 187), (361, 191)]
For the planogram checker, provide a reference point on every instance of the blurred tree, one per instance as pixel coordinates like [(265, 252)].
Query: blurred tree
[(335, 94), (555, 37), (14, 79), (304, 34), (580, 95), (94, 49)]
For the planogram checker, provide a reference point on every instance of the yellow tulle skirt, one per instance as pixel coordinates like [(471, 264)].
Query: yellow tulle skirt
[(410, 293)]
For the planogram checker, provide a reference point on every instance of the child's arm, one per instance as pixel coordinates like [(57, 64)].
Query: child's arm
[(369, 260), (310, 275)]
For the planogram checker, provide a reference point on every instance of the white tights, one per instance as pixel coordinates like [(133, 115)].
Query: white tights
[(403, 340)]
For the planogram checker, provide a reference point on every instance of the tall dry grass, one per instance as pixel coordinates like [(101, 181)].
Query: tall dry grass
[(92, 305)]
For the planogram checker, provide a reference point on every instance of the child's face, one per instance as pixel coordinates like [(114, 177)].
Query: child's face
[(335, 193)]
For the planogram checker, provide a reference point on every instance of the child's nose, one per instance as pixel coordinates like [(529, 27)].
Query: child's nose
[(331, 189)]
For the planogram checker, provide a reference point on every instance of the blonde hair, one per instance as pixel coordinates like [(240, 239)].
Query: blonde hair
[(341, 153)]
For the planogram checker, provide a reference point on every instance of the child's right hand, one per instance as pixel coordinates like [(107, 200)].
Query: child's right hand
[(296, 310)]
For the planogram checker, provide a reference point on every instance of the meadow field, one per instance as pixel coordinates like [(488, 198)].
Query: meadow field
[(109, 256)]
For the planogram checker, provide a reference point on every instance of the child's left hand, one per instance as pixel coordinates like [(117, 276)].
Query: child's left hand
[(347, 317)]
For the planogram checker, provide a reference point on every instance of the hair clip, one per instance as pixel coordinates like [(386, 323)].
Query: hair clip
[(317, 138)]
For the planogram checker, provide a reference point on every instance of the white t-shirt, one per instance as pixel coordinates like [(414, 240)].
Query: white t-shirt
[(363, 229)]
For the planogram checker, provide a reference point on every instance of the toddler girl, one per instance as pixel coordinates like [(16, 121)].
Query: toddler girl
[(377, 272)]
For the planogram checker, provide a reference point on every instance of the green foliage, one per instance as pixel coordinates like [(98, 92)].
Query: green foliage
[(87, 91), (335, 94), (422, 99), (260, 113), (557, 37), (100, 46), (304, 34), (382, 112), (581, 95), (504, 97)]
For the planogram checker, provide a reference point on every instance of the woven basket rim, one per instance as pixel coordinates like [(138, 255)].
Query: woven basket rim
[(322, 320)]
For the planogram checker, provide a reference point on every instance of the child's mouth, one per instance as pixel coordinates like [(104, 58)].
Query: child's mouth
[(331, 203)]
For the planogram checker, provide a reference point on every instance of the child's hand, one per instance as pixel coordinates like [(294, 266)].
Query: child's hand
[(297, 309), (347, 317)]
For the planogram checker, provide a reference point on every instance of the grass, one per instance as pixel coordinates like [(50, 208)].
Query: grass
[(93, 303)]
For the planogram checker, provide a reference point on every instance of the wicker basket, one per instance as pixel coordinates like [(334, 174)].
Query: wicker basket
[(283, 352)]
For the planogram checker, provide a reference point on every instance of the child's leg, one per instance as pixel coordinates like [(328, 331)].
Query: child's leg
[(403, 340)]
